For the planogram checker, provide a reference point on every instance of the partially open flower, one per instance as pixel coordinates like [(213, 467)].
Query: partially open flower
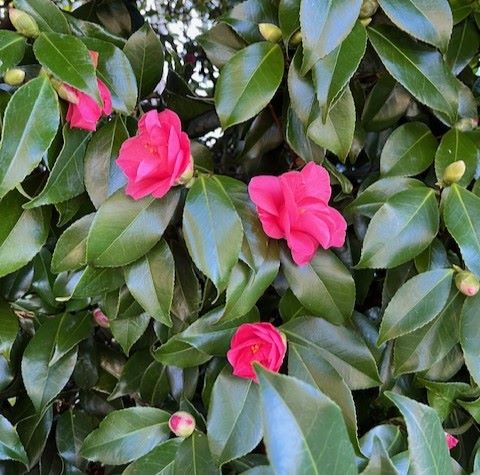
[(182, 424)]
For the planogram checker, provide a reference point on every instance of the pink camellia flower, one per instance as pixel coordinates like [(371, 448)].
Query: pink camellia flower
[(256, 342), (158, 157), (294, 206), (182, 424), (84, 113), (451, 441)]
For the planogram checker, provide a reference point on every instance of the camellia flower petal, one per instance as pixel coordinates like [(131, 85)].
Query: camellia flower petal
[(256, 342), (158, 157), (294, 206), (452, 441)]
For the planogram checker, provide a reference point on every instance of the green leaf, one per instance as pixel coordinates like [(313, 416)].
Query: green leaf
[(402, 228), (288, 18), (150, 281), (159, 461), (29, 127), (463, 46), (456, 145), (127, 329), (424, 20), (469, 333), (12, 49), (68, 59), (426, 439), (9, 328), (126, 435), (141, 222), (47, 15), (304, 430), (102, 175), (193, 457), (10, 446), (43, 379), (145, 53), (71, 250), (308, 365), (115, 71), (418, 68), (324, 286), (380, 461), (421, 349), (22, 233), (66, 177), (234, 420), (341, 347), (212, 228), (324, 26), (461, 213), (409, 151), (434, 257), (336, 133), (248, 82), (416, 303), (333, 72), (154, 385)]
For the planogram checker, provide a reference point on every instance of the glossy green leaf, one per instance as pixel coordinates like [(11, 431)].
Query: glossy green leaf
[(12, 49), (154, 386), (68, 59), (66, 177), (409, 151), (212, 229), (402, 228), (463, 46), (288, 18), (10, 446), (248, 82), (416, 303), (42, 378), (456, 145), (29, 127), (233, 424), (193, 457), (426, 439), (159, 461), (127, 329), (71, 250), (461, 213), (115, 71), (150, 281), (427, 20), (126, 435), (324, 26), (22, 233), (141, 222), (324, 286), (145, 53), (469, 332), (434, 257), (380, 461), (333, 72), (419, 68), (341, 347), (304, 429), (47, 15), (9, 327), (336, 133)]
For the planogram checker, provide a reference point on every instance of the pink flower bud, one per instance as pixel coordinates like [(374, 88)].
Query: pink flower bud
[(451, 441), (100, 318), (182, 424), (467, 283)]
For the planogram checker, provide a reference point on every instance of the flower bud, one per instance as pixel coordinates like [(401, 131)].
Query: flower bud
[(23, 23), (467, 283), (100, 318), (453, 173), (270, 32), (186, 178), (451, 441), (369, 7), (182, 424), (14, 76), (296, 39), (466, 124), (66, 93)]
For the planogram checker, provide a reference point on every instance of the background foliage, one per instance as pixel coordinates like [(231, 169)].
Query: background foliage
[(383, 352)]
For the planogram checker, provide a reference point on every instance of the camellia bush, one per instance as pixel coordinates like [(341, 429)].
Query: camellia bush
[(277, 277)]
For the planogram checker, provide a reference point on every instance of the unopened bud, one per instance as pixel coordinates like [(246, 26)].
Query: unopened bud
[(454, 172), (270, 32), (23, 23), (100, 318), (451, 441), (14, 77), (467, 283), (66, 92), (296, 39), (182, 424), (466, 124), (186, 178), (369, 7)]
